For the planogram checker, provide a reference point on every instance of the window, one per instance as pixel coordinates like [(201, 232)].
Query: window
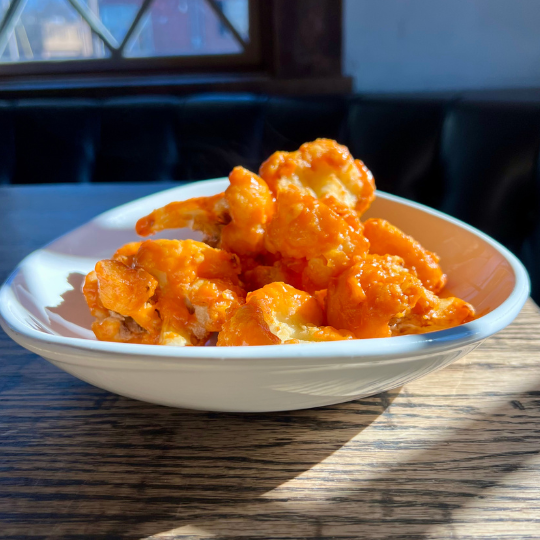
[(83, 35)]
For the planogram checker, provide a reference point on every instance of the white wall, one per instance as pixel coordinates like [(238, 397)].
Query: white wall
[(432, 45)]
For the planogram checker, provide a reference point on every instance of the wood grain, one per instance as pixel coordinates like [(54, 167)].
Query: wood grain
[(453, 455)]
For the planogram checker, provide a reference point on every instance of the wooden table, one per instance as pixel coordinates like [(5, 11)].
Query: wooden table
[(453, 455)]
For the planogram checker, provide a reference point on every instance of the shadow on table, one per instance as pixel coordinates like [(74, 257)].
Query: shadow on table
[(116, 468), (410, 499), (119, 468)]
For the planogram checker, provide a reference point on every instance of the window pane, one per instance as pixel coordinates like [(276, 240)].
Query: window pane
[(237, 12), (4, 4), (52, 30), (116, 15), (183, 27)]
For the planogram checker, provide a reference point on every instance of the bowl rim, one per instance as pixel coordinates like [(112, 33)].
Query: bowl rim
[(374, 348)]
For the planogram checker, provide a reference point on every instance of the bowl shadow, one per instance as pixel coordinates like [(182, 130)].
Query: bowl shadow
[(72, 309), (113, 467)]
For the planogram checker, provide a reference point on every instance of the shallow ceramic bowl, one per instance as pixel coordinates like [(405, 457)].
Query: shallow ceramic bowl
[(42, 309)]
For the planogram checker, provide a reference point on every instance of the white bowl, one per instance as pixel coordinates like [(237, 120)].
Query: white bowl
[(42, 309)]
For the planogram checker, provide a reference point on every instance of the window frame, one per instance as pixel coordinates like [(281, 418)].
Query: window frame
[(251, 58)]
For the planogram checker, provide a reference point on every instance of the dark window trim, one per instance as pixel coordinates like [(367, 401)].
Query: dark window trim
[(176, 85), (222, 62)]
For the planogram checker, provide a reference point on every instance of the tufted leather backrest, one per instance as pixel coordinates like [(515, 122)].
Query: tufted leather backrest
[(474, 160)]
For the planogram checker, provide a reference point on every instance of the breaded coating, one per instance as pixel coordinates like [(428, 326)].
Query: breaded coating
[(205, 214), (121, 299), (251, 205), (385, 239), (234, 220), (288, 271), (367, 296), (174, 293), (323, 169), (305, 228), (379, 297), (126, 253), (432, 313), (276, 314)]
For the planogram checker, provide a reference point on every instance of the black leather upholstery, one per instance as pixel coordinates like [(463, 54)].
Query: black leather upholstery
[(138, 140), (290, 122), (476, 160), (400, 141), (489, 158), (214, 136), (54, 142)]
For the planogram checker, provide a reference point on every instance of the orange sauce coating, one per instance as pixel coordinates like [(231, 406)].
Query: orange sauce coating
[(174, 292), (276, 314), (384, 239), (290, 238)]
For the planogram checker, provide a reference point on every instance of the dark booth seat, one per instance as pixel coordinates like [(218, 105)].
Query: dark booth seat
[(475, 160)]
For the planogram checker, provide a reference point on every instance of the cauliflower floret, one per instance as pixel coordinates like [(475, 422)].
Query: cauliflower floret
[(305, 228), (367, 296), (275, 314), (234, 220), (324, 169), (432, 313), (205, 214), (251, 205), (121, 298), (379, 297), (385, 239), (174, 293)]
